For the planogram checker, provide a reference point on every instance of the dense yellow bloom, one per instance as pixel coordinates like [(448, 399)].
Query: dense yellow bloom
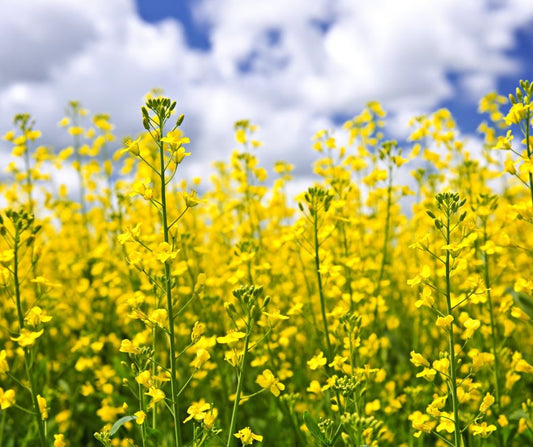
[(90, 264)]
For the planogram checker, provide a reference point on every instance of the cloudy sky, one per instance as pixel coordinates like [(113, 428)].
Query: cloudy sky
[(291, 66)]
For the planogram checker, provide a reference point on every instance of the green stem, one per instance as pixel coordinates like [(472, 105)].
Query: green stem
[(2, 427), (168, 293), (492, 321), (384, 248), (320, 286), (242, 371), (451, 342), (528, 149), (141, 407), (27, 365), (154, 371), (29, 182)]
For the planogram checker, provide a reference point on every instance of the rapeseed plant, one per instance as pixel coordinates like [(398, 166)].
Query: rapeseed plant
[(154, 316)]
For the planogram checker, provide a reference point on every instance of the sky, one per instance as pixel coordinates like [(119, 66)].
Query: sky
[(292, 67)]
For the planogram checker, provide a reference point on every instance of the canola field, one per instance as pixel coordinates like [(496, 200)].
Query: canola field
[(136, 311)]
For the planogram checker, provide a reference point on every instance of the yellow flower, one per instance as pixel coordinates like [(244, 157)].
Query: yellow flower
[(156, 394), (267, 381), (75, 130), (505, 143), (446, 422), (209, 418), (338, 362), (488, 400), (140, 416), (202, 356), (197, 331), (503, 421), (144, 378), (442, 366), (523, 366), (159, 317), (36, 316), (143, 188), (231, 337), (59, 440), (9, 136), (175, 139), (517, 113), (128, 347), (444, 322), (247, 437), (428, 374), (4, 366), (240, 136), (418, 359), (317, 361), (164, 252), (471, 326), (6, 256), (27, 338), (197, 411), (42, 407), (314, 387), (484, 430), (421, 422), (7, 398)]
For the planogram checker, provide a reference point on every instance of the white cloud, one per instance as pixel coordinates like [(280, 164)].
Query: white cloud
[(286, 65)]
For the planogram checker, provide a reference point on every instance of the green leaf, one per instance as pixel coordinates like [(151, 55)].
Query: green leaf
[(120, 423), (314, 429)]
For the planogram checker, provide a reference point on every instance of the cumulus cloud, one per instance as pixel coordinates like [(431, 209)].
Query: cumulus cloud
[(290, 66)]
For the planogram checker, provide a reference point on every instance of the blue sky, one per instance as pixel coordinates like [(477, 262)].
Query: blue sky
[(465, 110), (291, 66)]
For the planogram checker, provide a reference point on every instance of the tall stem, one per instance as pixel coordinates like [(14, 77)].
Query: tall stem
[(320, 287), (451, 341), (29, 179), (242, 371), (528, 149), (168, 292), (27, 352), (493, 334)]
